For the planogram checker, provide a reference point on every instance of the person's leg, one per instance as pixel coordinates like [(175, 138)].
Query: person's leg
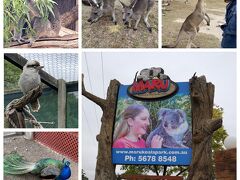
[(228, 41)]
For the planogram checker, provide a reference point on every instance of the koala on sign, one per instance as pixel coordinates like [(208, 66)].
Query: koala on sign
[(151, 73), (173, 128)]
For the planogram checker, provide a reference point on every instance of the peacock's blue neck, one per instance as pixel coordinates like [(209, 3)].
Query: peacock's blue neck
[(65, 173)]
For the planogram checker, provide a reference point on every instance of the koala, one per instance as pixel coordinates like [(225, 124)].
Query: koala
[(151, 73), (173, 128)]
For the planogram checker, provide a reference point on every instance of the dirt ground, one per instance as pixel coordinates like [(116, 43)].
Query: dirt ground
[(33, 151), (208, 36), (104, 34)]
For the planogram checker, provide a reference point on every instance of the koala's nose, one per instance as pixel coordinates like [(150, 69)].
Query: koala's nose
[(89, 20), (124, 20)]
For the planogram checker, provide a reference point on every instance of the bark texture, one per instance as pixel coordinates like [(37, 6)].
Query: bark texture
[(105, 170), (17, 111), (202, 96)]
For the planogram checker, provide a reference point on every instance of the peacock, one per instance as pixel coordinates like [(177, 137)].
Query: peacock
[(46, 168)]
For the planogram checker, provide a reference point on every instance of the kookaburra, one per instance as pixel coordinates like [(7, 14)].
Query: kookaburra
[(30, 79)]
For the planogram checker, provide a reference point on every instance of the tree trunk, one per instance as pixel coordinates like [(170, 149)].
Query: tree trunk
[(202, 96), (105, 170)]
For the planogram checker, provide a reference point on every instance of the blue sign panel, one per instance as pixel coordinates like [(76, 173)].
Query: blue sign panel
[(150, 129)]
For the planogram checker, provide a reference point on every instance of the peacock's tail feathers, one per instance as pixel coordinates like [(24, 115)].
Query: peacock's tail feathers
[(15, 164)]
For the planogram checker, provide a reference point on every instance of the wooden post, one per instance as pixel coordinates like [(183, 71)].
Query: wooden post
[(202, 96), (62, 94), (104, 168)]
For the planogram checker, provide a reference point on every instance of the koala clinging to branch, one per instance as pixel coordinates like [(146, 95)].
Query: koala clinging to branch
[(173, 128), (42, 27)]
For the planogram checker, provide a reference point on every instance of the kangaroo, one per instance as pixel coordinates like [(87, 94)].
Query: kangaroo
[(102, 8), (42, 27), (136, 10), (191, 25)]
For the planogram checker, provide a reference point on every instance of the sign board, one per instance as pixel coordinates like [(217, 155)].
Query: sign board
[(153, 121)]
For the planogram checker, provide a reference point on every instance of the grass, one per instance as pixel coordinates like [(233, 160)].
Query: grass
[(104, 34), (177, 13)]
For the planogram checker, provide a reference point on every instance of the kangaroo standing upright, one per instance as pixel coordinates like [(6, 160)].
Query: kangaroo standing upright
[(101, 8), (136, 10), (191, 25)]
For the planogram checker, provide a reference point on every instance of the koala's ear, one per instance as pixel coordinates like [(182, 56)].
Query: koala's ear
[(181, 113), (162, 112)]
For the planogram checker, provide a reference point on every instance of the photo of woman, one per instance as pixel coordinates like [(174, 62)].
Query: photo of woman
[(134, 124)]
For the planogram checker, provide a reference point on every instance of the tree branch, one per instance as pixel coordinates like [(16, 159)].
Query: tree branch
[(164, 170), (99, 101), (156, 169), (15, 112), (182, 171), (26, 99)]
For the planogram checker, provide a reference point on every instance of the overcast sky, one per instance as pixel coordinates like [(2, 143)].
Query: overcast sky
[(219, 68)]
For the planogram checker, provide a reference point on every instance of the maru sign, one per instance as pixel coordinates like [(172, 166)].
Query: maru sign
[(153, 89), (153, 123)]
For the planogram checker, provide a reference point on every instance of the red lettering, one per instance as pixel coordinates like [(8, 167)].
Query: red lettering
[(162, 85), (149, 86), (138, 87), (153, 85)]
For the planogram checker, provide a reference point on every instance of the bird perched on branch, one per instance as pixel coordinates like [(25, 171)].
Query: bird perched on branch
[(46, 168), (30, 79)]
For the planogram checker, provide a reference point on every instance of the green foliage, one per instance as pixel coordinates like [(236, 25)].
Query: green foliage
[(217, 144), (44, 7), (11, 76), (136, 169), (14, 10), (220, 135)]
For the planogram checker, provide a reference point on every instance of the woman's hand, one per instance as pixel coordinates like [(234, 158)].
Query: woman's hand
[(156, 141)]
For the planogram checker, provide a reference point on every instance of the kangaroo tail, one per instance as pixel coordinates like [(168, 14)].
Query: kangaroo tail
[(179, 37)]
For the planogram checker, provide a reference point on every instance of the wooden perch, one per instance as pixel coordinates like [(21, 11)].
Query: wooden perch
[(202, 96), (17, 111), (104, 167), (69, 17), (66, 41)]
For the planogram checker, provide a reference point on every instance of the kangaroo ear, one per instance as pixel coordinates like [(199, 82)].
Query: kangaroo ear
[(133, 3), (122, 4)]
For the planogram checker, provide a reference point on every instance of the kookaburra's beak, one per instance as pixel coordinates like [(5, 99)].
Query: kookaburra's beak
[(40, 67)]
